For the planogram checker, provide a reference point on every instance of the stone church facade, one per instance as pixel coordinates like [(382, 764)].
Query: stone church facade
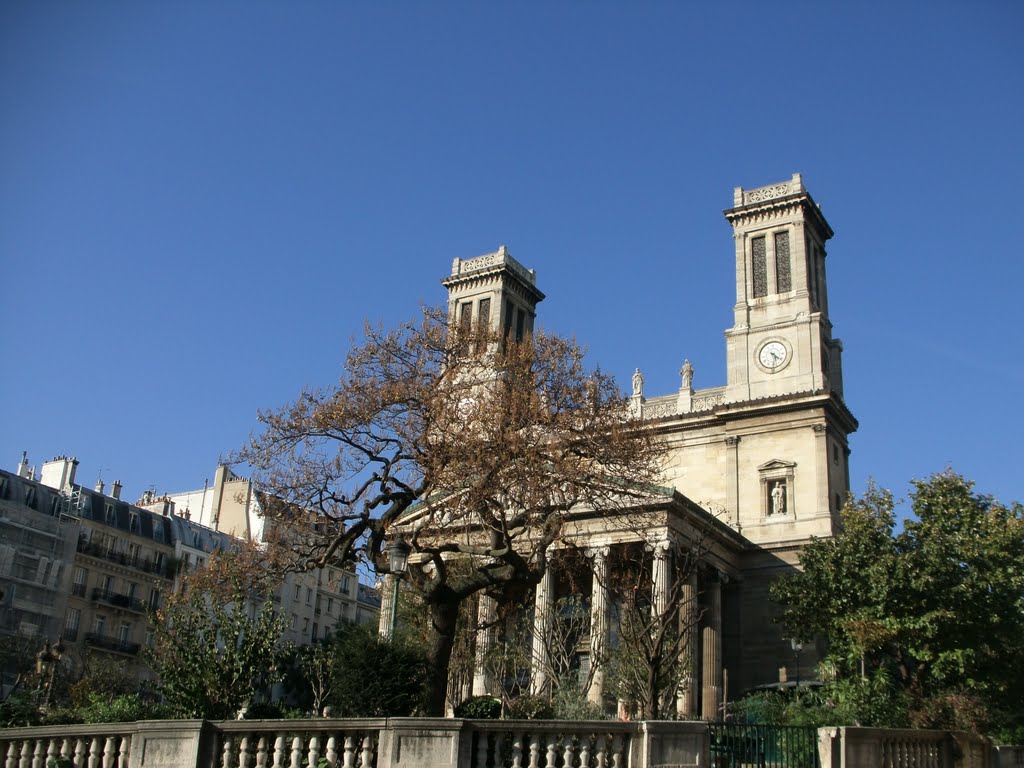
[(757, 466)]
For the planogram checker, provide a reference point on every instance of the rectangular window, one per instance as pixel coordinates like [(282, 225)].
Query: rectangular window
[(295, 621), (309, 595), (99, 625), (30, 496), (484, 313), (509, 314), (315, 630), (298, 591), (344, 584), (133, 554), (133, 522), (330, 605), (71, 621), (154, 599), (124, 633), (759, 267), (520, 324), (108, 514), (783, 273), (158, 530)]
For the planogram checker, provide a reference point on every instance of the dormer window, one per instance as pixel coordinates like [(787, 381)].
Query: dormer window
[(108, 514), (133, 522)]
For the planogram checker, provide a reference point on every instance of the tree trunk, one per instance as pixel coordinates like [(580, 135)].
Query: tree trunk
[(443, 617)]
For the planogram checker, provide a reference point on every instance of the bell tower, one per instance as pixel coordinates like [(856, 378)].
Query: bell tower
[(781, 339), (493, 289)]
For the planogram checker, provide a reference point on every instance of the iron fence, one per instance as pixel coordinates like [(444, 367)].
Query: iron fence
[(765, 746)]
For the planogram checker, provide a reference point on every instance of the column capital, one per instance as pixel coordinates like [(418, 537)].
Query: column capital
[(732, 440)]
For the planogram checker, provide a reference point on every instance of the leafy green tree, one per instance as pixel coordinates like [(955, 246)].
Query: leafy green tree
[(374, 677), (217, 644), (939, 606)]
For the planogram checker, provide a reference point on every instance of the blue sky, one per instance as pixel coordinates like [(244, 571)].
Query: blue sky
[(200, 203)]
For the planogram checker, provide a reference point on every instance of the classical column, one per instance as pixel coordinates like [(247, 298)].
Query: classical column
[(686, 701), (660, 584), (387, 596), (712, 650), (542, 606), (598, 623), (486, 610)]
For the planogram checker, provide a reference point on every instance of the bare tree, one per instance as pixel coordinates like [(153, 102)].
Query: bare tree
[(477, 448), (653, 660)]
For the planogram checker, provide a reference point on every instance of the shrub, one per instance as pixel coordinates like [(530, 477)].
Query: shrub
[(374, 677), (531, 707), (479, 708)]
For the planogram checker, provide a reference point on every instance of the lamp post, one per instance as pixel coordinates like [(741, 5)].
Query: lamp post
[(46, 665), (398, 563), (797, 647)]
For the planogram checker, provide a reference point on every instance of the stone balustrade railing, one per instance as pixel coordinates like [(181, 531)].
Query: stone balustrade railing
[(107, 745), (551, 743), (343, 743), (902, 748), (445, 743)]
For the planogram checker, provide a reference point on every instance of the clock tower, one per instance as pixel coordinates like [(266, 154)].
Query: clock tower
[(781, 341)]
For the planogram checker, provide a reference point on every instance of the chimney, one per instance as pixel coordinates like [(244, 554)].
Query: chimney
[(115, 489), (99, 485), (23, 466), (59, 473)]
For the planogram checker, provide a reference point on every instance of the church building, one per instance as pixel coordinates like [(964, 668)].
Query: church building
[(759, 464)]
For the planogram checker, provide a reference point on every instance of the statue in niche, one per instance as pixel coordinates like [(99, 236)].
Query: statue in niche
[(687, 373), (638, 384), (779, 498)]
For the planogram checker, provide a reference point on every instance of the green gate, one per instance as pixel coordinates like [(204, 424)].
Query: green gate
[(763, 746)]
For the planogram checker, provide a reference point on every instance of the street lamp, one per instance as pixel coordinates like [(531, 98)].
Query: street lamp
[(46, 664), (398, 563), (797, 647)]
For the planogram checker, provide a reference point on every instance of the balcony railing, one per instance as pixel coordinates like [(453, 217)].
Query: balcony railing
[(100, 595), (112, 644), (78, 590), (70, 634), (163, 569)]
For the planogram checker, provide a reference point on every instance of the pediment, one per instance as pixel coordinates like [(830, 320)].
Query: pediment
[(775, 464)]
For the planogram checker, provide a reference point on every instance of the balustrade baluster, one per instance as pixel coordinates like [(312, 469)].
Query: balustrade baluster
[(26, 754), (226, 748), (296, 752), (12, 755), (39, 754), (585, 750), (261, 752), (552, 756), (53, 751), (499, 750), (110, 753), (124, 753), (349, 760), (332, 751), (95, 753), (517, 749), (80, 752), (569, 751), (601, 750), (617, 761), (313, 755), (535, 750), (244, 753), (279, 751), (367, 751)]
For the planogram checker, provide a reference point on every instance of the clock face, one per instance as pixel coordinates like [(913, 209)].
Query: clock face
[(773, 355)]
